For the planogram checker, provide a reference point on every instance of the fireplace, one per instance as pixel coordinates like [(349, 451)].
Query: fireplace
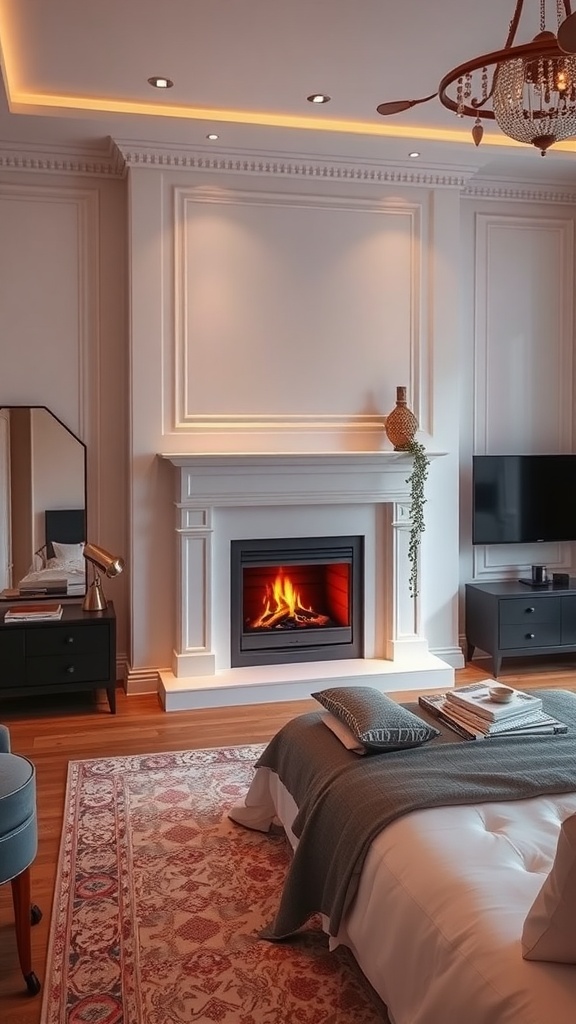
[(296, 600), (288, 500)]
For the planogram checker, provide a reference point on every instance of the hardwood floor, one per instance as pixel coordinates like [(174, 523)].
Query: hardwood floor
[(52, 731)]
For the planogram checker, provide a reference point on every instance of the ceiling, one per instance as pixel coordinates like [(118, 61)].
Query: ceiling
[(76, 73)]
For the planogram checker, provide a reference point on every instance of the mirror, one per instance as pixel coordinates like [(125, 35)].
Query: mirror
[(42, 506)]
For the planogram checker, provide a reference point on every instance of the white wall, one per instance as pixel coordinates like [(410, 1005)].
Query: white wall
[(280, 316), (185, 309)]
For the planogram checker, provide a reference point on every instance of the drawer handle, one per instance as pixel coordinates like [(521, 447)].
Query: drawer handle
[(529, 611), (70, 670), (69, 639), (529, 636)]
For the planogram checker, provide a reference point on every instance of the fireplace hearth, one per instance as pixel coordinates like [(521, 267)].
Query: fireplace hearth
[(296, 600)]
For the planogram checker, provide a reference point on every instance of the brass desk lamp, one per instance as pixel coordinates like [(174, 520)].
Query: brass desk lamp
[(102, 562)]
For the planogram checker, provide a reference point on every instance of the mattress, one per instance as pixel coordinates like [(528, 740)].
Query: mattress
[(437, 919)]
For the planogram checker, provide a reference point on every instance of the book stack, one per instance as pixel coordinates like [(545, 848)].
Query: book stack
[(34, 613), (475, 715)]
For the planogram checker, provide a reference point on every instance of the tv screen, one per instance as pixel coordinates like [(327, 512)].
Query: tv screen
[(521, 499)]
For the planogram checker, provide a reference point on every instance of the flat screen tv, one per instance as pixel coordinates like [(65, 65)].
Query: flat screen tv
[(523, 499)]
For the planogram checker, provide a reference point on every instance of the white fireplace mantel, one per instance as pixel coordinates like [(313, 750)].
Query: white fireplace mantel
[(222, 497)]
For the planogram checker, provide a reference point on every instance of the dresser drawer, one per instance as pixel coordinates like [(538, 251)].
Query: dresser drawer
[(75, 668), (11, 652), (525, 635), (521, 610), (64, 640)]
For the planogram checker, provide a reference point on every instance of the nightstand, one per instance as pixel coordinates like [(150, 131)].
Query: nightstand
[(508, 619), (76, 652)]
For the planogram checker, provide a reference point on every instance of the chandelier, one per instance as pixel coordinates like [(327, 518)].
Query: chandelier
[(528, 89)]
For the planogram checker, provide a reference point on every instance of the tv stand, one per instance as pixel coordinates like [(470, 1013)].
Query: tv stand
[(507, 622)]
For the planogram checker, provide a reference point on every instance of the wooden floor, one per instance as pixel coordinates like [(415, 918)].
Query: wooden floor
[(52, 731)]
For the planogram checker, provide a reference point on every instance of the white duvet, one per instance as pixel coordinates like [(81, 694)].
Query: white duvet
[(437, 920)]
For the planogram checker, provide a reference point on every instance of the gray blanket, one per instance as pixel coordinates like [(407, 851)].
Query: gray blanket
[(344, 800)]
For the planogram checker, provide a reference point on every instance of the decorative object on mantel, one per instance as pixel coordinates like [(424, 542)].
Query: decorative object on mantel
[(527, 88), (401, 424), (417, 479)]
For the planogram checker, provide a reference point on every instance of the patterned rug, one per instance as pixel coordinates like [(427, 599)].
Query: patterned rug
[(160, 898)]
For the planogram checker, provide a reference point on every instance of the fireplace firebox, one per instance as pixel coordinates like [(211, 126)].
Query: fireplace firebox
[(296, 600)]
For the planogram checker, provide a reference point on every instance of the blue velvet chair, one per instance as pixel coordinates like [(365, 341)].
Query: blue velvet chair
[(18, 846)]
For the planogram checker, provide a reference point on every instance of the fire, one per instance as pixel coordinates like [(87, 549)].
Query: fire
[(283, 607)]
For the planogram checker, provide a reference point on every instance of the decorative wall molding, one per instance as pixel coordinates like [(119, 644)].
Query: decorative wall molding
[(290, 165), (118, 155), (85, 203), (49, 159), (529, 408), (141, 680), (186, 202), (527, 192), (468, 180)]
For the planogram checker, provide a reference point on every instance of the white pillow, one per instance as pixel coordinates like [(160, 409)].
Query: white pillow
[(549, 931), (68, 552), (344, 734)]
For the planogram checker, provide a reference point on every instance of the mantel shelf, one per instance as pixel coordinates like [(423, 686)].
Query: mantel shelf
[(365, 459)]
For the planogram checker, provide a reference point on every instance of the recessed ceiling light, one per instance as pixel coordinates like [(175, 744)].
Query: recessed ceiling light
[(414, 155), (160, 83), (318, 97), (212, 136)]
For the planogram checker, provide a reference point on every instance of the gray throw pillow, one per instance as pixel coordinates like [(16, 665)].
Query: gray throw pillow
[(377, 721)]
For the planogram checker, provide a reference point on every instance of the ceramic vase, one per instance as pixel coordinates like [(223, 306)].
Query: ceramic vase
[(401, 424)]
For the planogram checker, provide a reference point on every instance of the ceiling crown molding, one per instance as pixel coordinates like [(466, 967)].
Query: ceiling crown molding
[(521, 192), (55, 159), (368, 172)]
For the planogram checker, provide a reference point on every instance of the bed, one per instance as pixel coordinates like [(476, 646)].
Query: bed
[(60, 559), (443, 897)]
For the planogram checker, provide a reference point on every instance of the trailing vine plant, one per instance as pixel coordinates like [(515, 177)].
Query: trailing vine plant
[(417, 480)]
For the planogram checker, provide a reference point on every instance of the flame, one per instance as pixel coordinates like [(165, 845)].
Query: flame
[(280, 599)]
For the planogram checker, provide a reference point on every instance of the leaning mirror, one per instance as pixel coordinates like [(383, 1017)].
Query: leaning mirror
[(42, 506)]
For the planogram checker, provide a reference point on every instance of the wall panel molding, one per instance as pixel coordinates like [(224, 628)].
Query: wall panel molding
[(409, 223), (85, 204), (523, 392)]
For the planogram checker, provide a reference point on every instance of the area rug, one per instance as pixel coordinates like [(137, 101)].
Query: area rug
[(160, 898)]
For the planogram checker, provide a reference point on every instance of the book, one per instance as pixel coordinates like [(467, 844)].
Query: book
[(535, 724), (524, 724), (435, 703), (476, 698), (33, 612)]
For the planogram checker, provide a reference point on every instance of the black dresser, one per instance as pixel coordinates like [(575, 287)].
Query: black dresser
[(76, 652)]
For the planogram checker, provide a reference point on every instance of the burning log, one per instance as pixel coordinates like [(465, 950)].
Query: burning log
[(283, 610)]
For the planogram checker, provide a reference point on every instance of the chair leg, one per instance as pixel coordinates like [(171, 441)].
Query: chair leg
[(22, 920)]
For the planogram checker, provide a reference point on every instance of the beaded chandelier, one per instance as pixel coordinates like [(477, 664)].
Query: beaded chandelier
[(528, 89)]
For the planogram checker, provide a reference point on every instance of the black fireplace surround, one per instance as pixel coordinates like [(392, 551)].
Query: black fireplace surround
[(296, 599)]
